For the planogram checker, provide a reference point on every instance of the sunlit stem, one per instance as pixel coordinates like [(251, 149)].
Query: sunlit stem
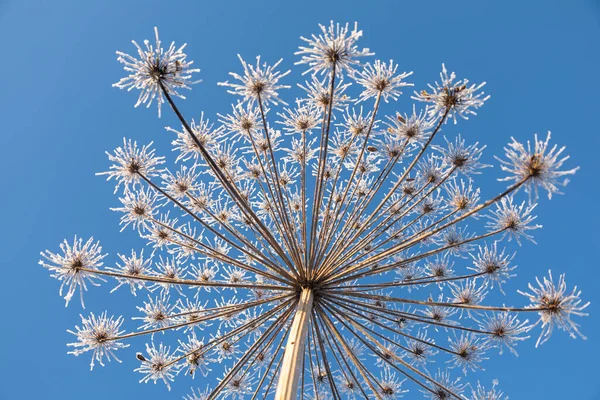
[(291, 369)]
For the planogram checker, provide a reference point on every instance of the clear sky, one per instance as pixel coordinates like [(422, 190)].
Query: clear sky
[(59, 114)]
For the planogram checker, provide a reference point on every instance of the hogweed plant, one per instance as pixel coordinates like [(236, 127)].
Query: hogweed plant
[(303, 247)]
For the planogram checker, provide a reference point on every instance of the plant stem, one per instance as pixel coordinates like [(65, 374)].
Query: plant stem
[(291, 369)]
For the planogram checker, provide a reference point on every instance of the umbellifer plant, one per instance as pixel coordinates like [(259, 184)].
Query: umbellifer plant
[(301, 247)]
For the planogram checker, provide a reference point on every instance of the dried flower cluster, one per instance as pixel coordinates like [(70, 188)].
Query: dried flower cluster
[(355, 232)]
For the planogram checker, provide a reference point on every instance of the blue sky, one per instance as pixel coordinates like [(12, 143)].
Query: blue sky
[(60, 113)]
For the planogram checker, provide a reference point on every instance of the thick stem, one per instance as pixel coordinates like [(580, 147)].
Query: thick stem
[(291, 368)]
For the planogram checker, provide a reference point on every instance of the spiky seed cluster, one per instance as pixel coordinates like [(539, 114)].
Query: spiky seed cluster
[(356, 219), (155, 70), (335, 48), (538, 166), (259, 83), (73, 267), (557, 306), (452, 98), (97, 334)]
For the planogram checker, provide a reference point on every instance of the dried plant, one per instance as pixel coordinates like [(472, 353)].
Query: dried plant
[(300, 253)]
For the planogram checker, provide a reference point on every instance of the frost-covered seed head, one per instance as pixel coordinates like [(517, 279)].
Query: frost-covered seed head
[(539, 166), (99, 335), (155, 67), (69, 266), (557, 306), (336, 45)]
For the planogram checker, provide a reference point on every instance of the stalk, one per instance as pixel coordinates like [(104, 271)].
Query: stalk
[(291, 368)]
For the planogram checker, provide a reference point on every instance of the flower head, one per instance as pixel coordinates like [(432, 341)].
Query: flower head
[(258, 82), (505, 330), (463, 158), (319, 96), (390, 385), (238, 386), (197, 395), (133, 266), (380, 79), (99, 335), (452, 98), (242, 121), (196, 358), (444, 387), (181, 183), (339, 250), (70, 266), (462, 196), (480, 393), (155, 69), (414, 128), (468, 352), (303, 118), (157, 312), (159, 365), (131, 162), (556, 305), (335, 46), (538, 167), (203, 131), (493, 264), (138, 209), (514, 220)]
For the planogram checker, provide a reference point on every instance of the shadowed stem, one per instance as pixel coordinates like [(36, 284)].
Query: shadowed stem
[(229, 187), (294, 250), (185, 282), (318, 193), (337, 217), (223, 311), (375, 214), (413, 241), (254, 255), (375, 347)]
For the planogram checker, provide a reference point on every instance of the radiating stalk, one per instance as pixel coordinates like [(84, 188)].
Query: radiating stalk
[(291, 368)]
